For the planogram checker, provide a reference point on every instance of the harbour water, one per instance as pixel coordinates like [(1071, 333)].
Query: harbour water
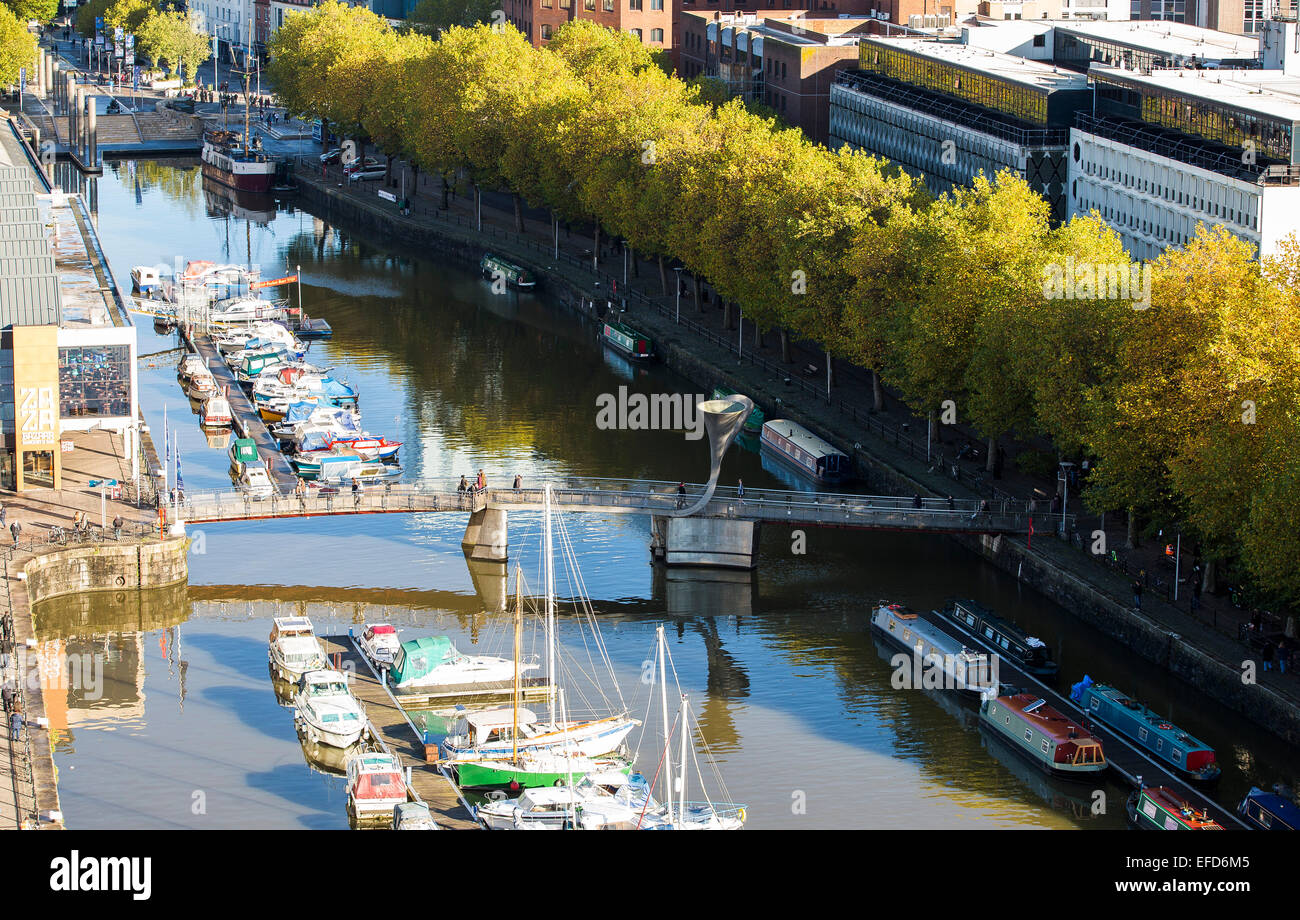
[(791, 690)]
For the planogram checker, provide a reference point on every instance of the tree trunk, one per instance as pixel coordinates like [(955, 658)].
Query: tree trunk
[(728, 314), (636, 269), (478, 207), (758, 336), (1209, 578), (446, 189), (830, 370), (519, 213), (992, 448), (1132, 537), (785, 345), (877, 392), (695, 293), (663, 276)]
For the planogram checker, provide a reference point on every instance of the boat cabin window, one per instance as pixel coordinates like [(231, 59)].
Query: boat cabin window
[(1044, 745), (1029, 734)]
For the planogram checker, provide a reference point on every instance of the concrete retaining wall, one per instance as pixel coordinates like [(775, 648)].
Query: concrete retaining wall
[(106, 567)]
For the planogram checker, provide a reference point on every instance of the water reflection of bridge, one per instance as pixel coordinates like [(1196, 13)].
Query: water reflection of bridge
[(723, 532)]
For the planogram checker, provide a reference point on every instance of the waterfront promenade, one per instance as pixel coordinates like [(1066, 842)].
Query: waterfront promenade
[(890, 445)]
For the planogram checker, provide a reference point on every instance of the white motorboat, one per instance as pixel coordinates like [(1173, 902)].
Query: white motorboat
[(145, 278), (413, 816), (255, 480), (202, 385), (190, 365), (294, 648), (376, 784), (329, 713), (243, 310), (380, 644), (216, 412), (600, 800)]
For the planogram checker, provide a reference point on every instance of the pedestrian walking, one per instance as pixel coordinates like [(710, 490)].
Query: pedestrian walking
[(952, 503), (1283, 655), (481, 486), (6, 646), (117, 527), (681, 494), (1267, 654), (7, 695), (916, 500), (15, 726), (464, 486), (1137, 594), (15, 528), (3, 512), (740, 490), (519, 481)]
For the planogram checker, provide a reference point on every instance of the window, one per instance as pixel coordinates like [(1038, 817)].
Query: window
[(656, 4), (1040, 40), (607, 6), (1044, 745), (634, 4), (636, 33), (95, 380), (1029, 734), (656, 35), (589, 5), (546, 31)]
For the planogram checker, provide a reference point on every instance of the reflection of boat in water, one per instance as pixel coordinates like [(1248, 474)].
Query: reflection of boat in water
[(623, 366), (1056, 794), (283, 689), (221, 201), (323, 758)]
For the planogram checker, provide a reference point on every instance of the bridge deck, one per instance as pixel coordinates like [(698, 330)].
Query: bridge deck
[(1124, 758), (247, 422), (390, 722), (880, 512)]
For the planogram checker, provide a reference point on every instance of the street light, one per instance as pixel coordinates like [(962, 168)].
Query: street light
[(1066, 466), (678, 270)]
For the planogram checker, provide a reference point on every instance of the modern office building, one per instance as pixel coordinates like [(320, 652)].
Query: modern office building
[(1146, 46), (1167, 150), (785, 60), (948, 112), (65, 365), (1240, 16)]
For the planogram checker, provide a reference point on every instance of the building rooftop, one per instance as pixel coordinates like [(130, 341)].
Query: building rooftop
[(1270, 93), (1167, 38), (1011, 68)]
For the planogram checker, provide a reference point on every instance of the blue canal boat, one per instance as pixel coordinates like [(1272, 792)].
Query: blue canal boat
[(1267, 811), (1149, 731)]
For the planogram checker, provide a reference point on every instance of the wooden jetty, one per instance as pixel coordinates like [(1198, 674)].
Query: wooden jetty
[(1124, 758), (531, 690), (389, 723), (245, 418)]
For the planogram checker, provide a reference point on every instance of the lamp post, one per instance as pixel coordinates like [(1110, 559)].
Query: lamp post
[(678, 270), (1066, 466)]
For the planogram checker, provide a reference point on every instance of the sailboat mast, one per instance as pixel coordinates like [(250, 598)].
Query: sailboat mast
[(514, 734), (663, 701), (550, 607), (681, 789), (247, 46)]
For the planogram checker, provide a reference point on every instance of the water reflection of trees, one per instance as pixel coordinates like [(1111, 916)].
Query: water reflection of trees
[(180, 179)]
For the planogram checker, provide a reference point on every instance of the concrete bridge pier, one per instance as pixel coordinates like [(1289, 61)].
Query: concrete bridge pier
[(486, 535), (717, 542)]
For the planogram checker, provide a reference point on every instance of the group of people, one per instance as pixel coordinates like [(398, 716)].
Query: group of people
[(10, 697), (479, 486)]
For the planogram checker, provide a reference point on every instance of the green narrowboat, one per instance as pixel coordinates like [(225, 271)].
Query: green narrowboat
[(516, 276), (627, 341), (244, 450), (1044, 736), (1159, 808), (755, 419), (1149, 731)]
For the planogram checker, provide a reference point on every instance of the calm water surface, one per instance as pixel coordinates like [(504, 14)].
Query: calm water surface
[(791, 691)]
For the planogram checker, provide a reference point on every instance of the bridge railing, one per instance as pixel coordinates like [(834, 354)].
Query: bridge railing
[(632, 497)]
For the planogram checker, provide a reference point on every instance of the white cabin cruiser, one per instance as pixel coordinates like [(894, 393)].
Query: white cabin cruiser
[(242, 310), (190, 365), (376, 784), (380, 644), (255, 480), (294, 648), (329, 713), (216, 412)]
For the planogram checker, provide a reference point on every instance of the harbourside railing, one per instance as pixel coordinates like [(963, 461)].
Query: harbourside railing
[(620, 496)]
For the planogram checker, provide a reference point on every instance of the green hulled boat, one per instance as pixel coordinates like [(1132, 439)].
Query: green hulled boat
[(514, 275), (754, 423), (533, 770), (627, 341)]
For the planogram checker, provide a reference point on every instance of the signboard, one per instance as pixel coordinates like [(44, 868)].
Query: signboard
[(36, 415), (387, 196), (117, 33), (118, 50), (130, 42), (272, 282), (66, 447), (130, 58), (135, 85)]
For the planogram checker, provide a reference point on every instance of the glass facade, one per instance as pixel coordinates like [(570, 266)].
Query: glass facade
[(978, 88), (95, 381), (1270, 138), (7, 391)]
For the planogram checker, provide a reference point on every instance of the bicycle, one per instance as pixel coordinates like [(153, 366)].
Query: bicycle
[(58, 535)]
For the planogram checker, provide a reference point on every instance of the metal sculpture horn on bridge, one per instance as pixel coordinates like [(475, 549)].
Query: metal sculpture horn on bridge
[(723, 419)]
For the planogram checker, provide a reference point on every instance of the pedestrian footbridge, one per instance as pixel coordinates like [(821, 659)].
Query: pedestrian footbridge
[(704, 527)]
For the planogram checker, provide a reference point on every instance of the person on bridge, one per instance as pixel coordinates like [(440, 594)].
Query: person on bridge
[(519, 481), (117, 527), (1137, 594), (481, 485), (740, 490), (916, 500), (16, 726), (681, 494), (464, 486), (15, 528)]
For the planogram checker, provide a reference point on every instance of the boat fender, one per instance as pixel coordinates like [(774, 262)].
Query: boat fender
[(558, 782), (741, 814), (121, 580), (496, 795)]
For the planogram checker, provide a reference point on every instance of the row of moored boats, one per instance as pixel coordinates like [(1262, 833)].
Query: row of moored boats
[(1037, 731)]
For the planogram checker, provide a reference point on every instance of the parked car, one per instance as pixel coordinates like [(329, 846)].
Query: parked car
[(331, 156), (358, 164), (365, 175)]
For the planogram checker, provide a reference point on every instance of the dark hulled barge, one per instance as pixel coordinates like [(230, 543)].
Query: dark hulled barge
[(1003, 637)]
